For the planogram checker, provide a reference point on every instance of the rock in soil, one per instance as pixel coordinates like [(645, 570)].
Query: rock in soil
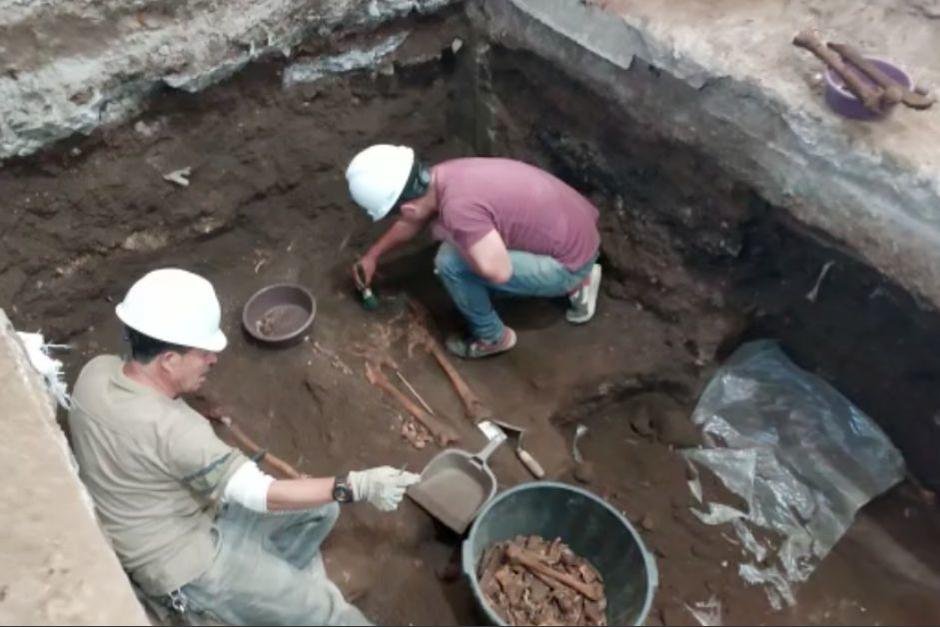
[(523, 597), (584, 472)]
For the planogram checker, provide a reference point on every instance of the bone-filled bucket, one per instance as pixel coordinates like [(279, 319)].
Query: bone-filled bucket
[(585, 522)]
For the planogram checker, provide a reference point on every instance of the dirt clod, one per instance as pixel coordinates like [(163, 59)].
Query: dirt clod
[(584, 473), (449, 573)]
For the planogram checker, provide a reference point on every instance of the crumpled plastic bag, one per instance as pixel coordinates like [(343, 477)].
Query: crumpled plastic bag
[(800, 455), (37, 349)]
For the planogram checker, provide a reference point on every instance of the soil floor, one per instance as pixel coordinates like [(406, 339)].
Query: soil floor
[(268, 191)]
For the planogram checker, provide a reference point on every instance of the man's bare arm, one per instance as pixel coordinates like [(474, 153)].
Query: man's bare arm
[(490, 258), (293, 494)]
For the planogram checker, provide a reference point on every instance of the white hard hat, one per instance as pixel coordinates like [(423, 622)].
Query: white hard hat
[(377, 176), (174, 306)]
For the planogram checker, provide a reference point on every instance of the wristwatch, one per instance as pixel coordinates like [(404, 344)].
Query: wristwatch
[(342, 493)]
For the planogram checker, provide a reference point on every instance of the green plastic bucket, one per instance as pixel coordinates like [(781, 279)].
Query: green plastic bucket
[(584, 521)]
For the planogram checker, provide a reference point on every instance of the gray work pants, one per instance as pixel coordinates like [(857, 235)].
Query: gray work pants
[(269, 571)]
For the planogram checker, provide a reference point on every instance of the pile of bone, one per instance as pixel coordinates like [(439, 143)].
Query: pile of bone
[(531, 581)]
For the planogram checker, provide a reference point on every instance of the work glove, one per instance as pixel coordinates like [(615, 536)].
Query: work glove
[(383, 487)]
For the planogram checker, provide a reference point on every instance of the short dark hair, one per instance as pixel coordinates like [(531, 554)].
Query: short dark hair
[(419, 180), (145, 348)]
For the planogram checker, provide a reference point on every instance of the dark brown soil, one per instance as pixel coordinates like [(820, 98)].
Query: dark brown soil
[(268, 203)]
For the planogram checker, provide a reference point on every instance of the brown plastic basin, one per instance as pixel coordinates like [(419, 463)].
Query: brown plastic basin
[(279, 313)]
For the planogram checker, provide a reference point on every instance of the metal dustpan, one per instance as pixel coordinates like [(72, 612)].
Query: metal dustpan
[(456, 484)]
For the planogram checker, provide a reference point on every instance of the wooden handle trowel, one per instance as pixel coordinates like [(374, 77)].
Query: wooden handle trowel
[(493, 428)]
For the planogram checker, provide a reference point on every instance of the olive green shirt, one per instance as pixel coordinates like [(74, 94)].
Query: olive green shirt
[(155, 470)]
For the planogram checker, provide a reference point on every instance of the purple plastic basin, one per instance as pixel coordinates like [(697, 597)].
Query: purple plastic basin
[(844, 102)]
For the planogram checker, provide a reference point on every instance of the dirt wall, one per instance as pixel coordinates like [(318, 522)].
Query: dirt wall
[(683, 236)]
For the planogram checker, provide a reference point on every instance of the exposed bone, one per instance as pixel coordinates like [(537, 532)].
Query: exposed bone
[(382, 337), (416, 434), (552, 553), (544, 600), (414, 392), (522, 557), (419, 334), (575, 451), (441, 432), (511, 585), (335, 360), (594, 612), (589, 575), (813, 294), (180, 177), (377, 354), (868, 95), (893, 91)]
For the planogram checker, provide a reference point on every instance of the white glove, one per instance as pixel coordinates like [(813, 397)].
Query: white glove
[(383, 487)]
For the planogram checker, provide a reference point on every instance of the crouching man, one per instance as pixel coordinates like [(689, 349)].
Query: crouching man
[(508, 228), (196, 524)]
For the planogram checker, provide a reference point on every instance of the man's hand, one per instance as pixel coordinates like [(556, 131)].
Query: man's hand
[(383, 487), (363, 271), (402, 230)]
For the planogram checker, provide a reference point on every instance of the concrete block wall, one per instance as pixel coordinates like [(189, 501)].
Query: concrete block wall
[(56, 567)]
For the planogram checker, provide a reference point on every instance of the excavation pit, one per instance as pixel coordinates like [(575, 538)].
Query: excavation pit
[(696, 262)]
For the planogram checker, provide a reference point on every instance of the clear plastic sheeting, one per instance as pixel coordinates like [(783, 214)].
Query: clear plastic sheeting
[(775, 584), (50, 368), (707, 613), (798, 453)]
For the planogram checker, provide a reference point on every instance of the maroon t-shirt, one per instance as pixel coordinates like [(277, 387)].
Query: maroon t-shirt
[(531, 210)]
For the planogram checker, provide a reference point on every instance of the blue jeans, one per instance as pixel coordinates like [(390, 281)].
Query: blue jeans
[(269, 571), (532, 275)]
